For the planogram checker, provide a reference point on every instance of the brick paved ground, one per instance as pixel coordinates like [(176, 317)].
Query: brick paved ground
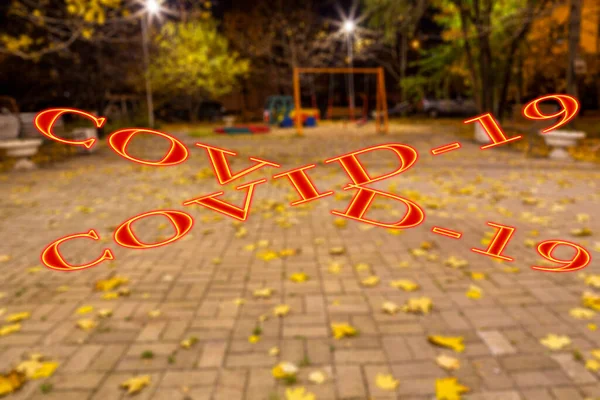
[(196, 281)]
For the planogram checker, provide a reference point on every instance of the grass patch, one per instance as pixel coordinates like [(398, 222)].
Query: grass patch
[(147, 355), (46, 388)]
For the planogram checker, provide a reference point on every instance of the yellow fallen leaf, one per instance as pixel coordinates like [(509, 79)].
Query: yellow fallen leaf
[(447, 362), (334, 268), (386, 382), (18, 316), (84, 310), (239, 302), (555, 342), (418, 252), (592, 327), (593, 281), (390, 307), (284, 370), (477, 276), (267, 255), (4, 258), (105, 312), (592, 365), (371, 281), (449, 389), (287, 252), (2, 311), (511, 270), (582, 232), (337, 251), (124, 292), (86, 324), (596, 353), (474, 292), (281, 310), (11, 382), (110, 296), (298, 277), (298, 393), (110, 284), (418, 305), (581, 313), (8, 329), (136, 384), (317, 377), (253, 339), (455, 262), (34, 270), (189, 342), (341, 330), (452, 342), (591, 300), (274, 351), (340, 222), (62, 289), (404, 284), (263, 293), (46, 370), (362, 267), (154, 313)]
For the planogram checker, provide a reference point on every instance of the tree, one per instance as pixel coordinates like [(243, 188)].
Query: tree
[(193, 59), (41, 27), (574, 34), (398, 21)]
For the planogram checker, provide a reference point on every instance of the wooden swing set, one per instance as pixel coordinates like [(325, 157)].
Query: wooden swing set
[(381, 114)]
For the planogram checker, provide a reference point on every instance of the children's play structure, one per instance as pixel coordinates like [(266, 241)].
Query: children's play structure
[(280, 111), (381, 115)]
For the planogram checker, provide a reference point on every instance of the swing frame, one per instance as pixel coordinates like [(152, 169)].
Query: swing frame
[(381, 104)]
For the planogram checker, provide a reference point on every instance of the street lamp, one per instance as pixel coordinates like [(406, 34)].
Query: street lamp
[(152, 8), (349, 27)]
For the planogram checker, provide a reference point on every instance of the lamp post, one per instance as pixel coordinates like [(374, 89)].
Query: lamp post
[(348, 28), (152, 8)]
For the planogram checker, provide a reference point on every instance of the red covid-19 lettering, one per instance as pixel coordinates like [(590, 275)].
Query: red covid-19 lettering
[(119, 141), (53, 259), (182, 222), (45, 121)]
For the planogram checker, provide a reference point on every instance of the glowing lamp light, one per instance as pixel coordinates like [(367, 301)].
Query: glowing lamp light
[(153, 6), (349, 26)]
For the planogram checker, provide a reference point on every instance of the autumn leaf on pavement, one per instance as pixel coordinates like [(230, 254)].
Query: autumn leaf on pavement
[(18, 316), (105, 312), (107, 285), (404, 284), (449, 389), (581, 313), (4, 258), (110, 296), (386, 382), (86, 324), (582, 232), (341, 330), (371, 281), (263, 293), (298, 277), (298, 393), (337, 251), (35, 368), (477, 276), (154, 313), (84, 310), (390, 307), (593, 281), (474, 292), (11, 382), (555, 342), (274, 351), (281, 310), (362, 267), (189, 342), (455, 262), (447, 362), (452, 342), (253, 339), (591, 300), (317, 377), (334, 268), (418, 305), (284, 370), (511, 270), (592, 365), (8, 329), (136, 384)]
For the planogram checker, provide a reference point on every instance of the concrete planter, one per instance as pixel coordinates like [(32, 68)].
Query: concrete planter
[(480, 135), (560, 140), (229, 121), (22, 150), (84, 134)]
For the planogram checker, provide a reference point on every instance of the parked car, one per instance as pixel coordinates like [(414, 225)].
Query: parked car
[(397, 110), (448, 107)]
